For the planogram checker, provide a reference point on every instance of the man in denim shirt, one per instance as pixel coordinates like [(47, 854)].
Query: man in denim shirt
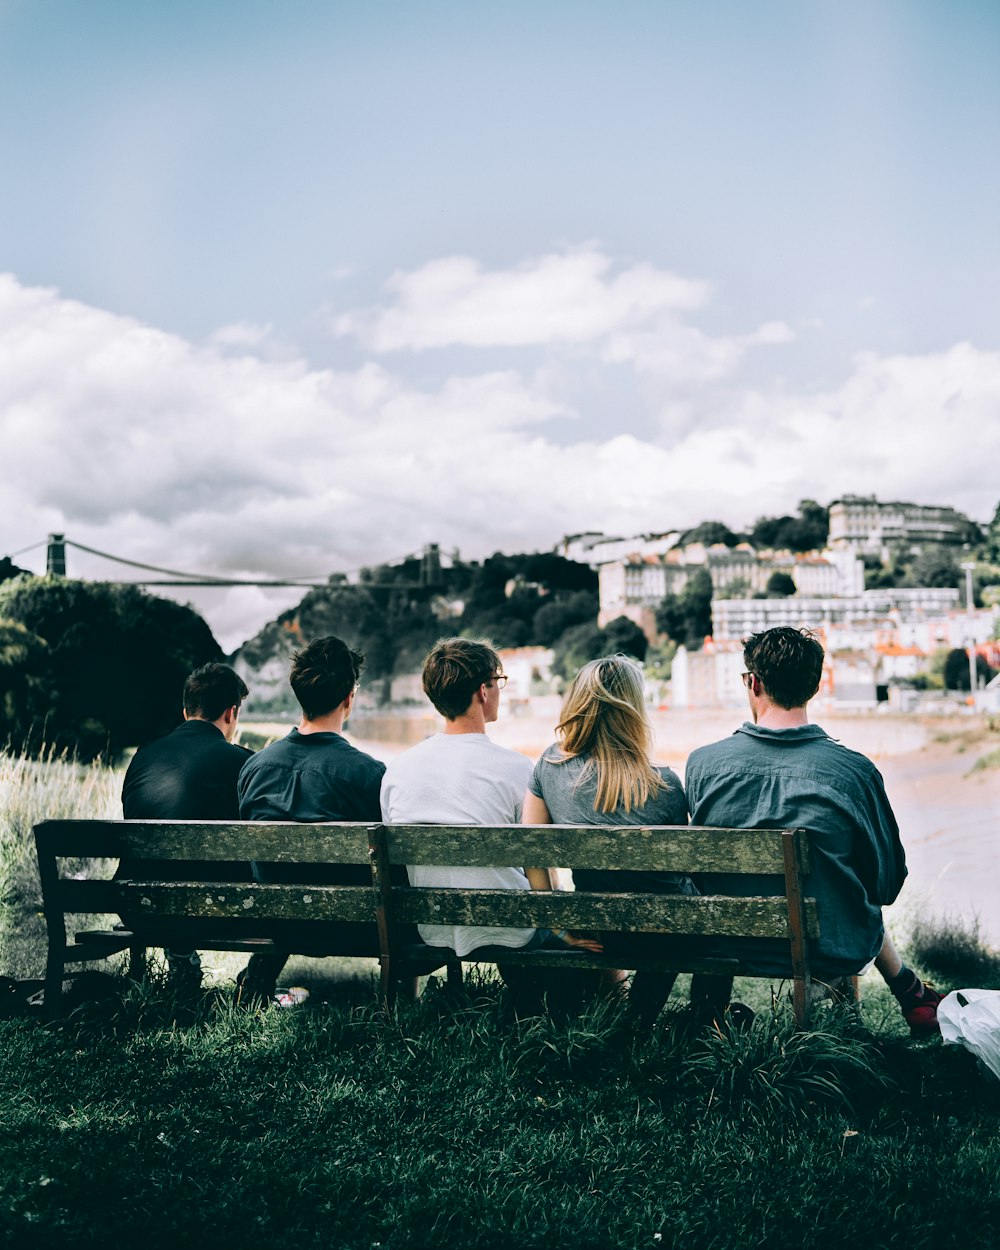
[(777, 771)]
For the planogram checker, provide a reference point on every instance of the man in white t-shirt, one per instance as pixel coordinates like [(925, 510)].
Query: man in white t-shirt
[(460, 777)]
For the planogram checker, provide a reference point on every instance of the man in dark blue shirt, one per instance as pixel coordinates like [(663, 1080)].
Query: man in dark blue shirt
[(190, 774), (312, 774), (780, 772)]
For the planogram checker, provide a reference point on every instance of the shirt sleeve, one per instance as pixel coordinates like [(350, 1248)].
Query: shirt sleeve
[(371, 803), (675, 802), (535, 780), (888, 861)]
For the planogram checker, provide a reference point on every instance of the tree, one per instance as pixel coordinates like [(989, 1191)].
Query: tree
[(806, 532), (581, 643), (687, 618), (575, 647), (956, 670), (710, 533), (934, 566), (992, 538), (118, 659), (624, 637), (553, 618), (8, 570), (780, 586), (27, 692)]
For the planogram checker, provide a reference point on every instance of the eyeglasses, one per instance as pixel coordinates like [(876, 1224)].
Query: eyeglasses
[(499, 680)]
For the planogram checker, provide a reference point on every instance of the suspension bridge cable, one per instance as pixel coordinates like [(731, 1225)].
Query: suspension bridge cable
[(31, 547), (154, 568)]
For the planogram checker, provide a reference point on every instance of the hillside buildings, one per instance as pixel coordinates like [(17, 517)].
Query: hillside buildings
[(873, 638), (861, 523), (637, 584)]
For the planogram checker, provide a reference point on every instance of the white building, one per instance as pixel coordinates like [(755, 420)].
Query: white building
[(596, 549), (735, 618), (861, 523), (709, 677), (636, 586)]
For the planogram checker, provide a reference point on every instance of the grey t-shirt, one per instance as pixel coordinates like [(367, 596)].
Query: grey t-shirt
[(568, 789)]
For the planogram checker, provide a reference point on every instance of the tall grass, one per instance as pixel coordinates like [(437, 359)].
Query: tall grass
[(31, 791)]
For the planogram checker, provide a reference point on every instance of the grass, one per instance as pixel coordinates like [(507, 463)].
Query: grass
[(990, 760), (31, 791), (144, 1120), (953, 949), (452, 1125)]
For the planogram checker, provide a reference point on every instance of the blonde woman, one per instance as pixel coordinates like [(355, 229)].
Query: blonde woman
[(599, 772)]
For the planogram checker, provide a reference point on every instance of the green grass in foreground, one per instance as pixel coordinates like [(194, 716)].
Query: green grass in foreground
[(453, 1126)]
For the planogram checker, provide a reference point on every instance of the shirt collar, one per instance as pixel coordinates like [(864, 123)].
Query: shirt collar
[(800, 733)]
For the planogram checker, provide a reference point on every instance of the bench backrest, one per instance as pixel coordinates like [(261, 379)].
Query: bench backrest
[(684, 849), (678, 849), (206, 842)]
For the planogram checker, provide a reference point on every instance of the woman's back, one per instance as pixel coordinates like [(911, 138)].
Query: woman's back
[(568, 788)]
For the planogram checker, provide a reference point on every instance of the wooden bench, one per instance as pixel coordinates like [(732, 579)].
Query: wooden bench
[(396, 907), (229, 916)]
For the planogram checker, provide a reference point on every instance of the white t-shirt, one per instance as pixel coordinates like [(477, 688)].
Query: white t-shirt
[(460, 779)]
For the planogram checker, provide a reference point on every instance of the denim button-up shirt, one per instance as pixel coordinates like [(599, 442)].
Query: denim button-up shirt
[(802, 779)]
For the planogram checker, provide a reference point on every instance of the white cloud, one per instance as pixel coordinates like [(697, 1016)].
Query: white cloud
[(241, 335), (137, 442), (571, 297), (574, 299)]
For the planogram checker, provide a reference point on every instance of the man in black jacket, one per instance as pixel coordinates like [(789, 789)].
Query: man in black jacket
[(190, 774)]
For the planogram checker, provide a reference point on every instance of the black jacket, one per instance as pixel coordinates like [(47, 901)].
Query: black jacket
[(188, 775)]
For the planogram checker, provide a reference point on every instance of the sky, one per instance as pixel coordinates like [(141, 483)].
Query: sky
[(289, 289)]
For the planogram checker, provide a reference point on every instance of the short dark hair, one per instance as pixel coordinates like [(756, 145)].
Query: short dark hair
[(789, 663), (454, 670), (211, 689), (323, 674)]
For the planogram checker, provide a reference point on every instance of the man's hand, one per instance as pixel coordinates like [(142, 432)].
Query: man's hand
[(581, 941)]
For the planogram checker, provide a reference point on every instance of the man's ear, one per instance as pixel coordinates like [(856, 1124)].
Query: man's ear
[(231, 714)]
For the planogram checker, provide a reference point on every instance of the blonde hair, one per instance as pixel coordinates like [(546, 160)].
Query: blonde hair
[(604, 718)]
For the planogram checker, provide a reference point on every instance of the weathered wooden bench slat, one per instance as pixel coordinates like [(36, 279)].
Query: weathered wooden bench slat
[(651, 849), (620, 913), (284, 842), (115, 940), (220, 900), (691, 961)]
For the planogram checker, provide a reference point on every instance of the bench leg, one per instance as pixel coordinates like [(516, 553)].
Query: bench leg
[(801, 1001), (455, 978), (387, 984), (137, 963), (54, 971)]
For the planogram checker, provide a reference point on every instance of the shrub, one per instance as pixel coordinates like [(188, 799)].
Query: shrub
[(954, 950)]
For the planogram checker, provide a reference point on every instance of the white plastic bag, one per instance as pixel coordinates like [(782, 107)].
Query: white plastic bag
[(971, 1018)]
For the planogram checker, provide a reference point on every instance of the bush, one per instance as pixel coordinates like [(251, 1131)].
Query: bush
[(27, 690), (118, 659), (954, 950)]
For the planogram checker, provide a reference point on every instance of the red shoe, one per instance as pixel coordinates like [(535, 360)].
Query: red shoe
[(922, 1015)]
